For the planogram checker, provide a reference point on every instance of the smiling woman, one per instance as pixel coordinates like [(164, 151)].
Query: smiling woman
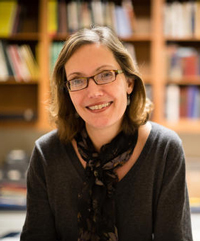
[(106, 173), (63, 111), (100, 106)]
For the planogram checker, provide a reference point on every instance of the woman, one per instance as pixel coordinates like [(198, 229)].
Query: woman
[(106, 173)]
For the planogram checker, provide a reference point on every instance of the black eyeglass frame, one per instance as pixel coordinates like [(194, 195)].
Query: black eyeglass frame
[(67, 82)]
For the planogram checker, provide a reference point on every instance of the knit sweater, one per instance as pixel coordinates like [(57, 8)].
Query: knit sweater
[(151, 199)]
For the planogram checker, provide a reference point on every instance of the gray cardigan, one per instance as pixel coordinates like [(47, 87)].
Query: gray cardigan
[(151, 200)]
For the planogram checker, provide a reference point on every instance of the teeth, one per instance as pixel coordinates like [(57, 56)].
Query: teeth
[(99, 107)]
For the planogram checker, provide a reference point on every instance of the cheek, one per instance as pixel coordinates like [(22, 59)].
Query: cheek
[(76, 100), (123, 102)]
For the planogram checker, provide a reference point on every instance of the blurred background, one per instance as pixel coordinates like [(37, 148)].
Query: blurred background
[(162, 36)]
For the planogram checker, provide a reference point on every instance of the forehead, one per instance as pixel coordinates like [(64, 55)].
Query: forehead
[(90, 56)]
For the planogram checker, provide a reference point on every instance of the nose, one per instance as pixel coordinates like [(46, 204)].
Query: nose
[(94, 90)]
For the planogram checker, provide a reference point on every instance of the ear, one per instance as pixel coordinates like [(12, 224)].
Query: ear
[(130, 85)]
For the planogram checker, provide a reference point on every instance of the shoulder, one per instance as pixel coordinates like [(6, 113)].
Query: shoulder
[(49, 150), (164, 134), (48, 138), (164, 150), (165, 142), (50, 143)]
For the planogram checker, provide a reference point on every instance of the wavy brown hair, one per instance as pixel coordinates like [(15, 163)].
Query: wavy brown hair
[(62, 111)]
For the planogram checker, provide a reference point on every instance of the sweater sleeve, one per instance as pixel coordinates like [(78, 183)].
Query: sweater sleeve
[(172, 215), (39, 222)]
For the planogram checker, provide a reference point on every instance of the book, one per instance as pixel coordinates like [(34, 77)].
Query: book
[(85, 15), (15, 60), (123, 26), (149, 92), (188, 18), (97, 10), (52, 17), (193, 102), (183, 102), (3, 67), (130, 12), (62, 17), (8, 54), (196, 110), (110, 18), (17, 21), (73, 19), (190, 101), (7, 13), (29, 61), (173, 62), (25, 72), (131, 49), (8, 64), (54, 52), (197, 19), (190, 64), (172, 103)]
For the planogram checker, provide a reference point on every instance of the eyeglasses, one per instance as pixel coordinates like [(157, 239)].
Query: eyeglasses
[(105, 77)]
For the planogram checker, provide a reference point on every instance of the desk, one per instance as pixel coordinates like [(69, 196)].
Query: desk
[(11, 221)]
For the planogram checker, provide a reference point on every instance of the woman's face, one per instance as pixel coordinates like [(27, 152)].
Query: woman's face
[(100, 106)]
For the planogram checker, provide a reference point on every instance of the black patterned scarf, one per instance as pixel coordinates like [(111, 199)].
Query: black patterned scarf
[(96, 216)]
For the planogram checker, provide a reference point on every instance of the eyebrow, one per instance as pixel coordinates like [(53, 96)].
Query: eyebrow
[(98, 69)]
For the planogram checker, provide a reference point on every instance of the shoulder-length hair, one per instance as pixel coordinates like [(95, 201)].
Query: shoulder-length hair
[(62, 111)]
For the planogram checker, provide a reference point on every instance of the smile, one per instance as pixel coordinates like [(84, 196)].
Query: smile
[(99, 107)]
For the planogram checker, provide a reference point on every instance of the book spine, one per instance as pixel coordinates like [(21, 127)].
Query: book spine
[(52, 17), (172, 103), (3, 66), (14, 57), (7, 13)]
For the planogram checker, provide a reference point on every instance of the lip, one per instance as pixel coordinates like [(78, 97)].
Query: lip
[(99, 106)]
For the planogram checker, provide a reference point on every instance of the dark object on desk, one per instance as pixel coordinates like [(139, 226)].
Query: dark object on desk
[(11, 234), (13, 180), (14, 236), (15, 166)]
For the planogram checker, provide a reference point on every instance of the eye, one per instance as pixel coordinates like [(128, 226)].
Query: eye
[(106, 74), (77, 82)]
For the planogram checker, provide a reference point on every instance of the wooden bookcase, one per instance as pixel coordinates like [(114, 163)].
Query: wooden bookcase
[(149, 42)]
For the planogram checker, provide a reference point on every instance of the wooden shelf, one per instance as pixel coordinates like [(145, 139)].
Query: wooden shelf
[(138, 37), (12, 81), (184, 39), (184, 125), (190, 80), (149, 42), (22, 37)]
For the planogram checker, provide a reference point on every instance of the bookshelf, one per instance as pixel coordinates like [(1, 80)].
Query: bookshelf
[(182, 64), (150, 42)]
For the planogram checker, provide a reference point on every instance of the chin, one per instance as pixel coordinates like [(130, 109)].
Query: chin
[(100, 125)]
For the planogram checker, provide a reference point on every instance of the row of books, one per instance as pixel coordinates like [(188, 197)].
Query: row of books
[(17, 61), (17, 17), (182, 61), (182, 19), (70, 16), (7, 13), (12, 196), (182, 102)]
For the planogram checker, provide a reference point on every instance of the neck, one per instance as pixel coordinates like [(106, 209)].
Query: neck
[(101, 137)]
